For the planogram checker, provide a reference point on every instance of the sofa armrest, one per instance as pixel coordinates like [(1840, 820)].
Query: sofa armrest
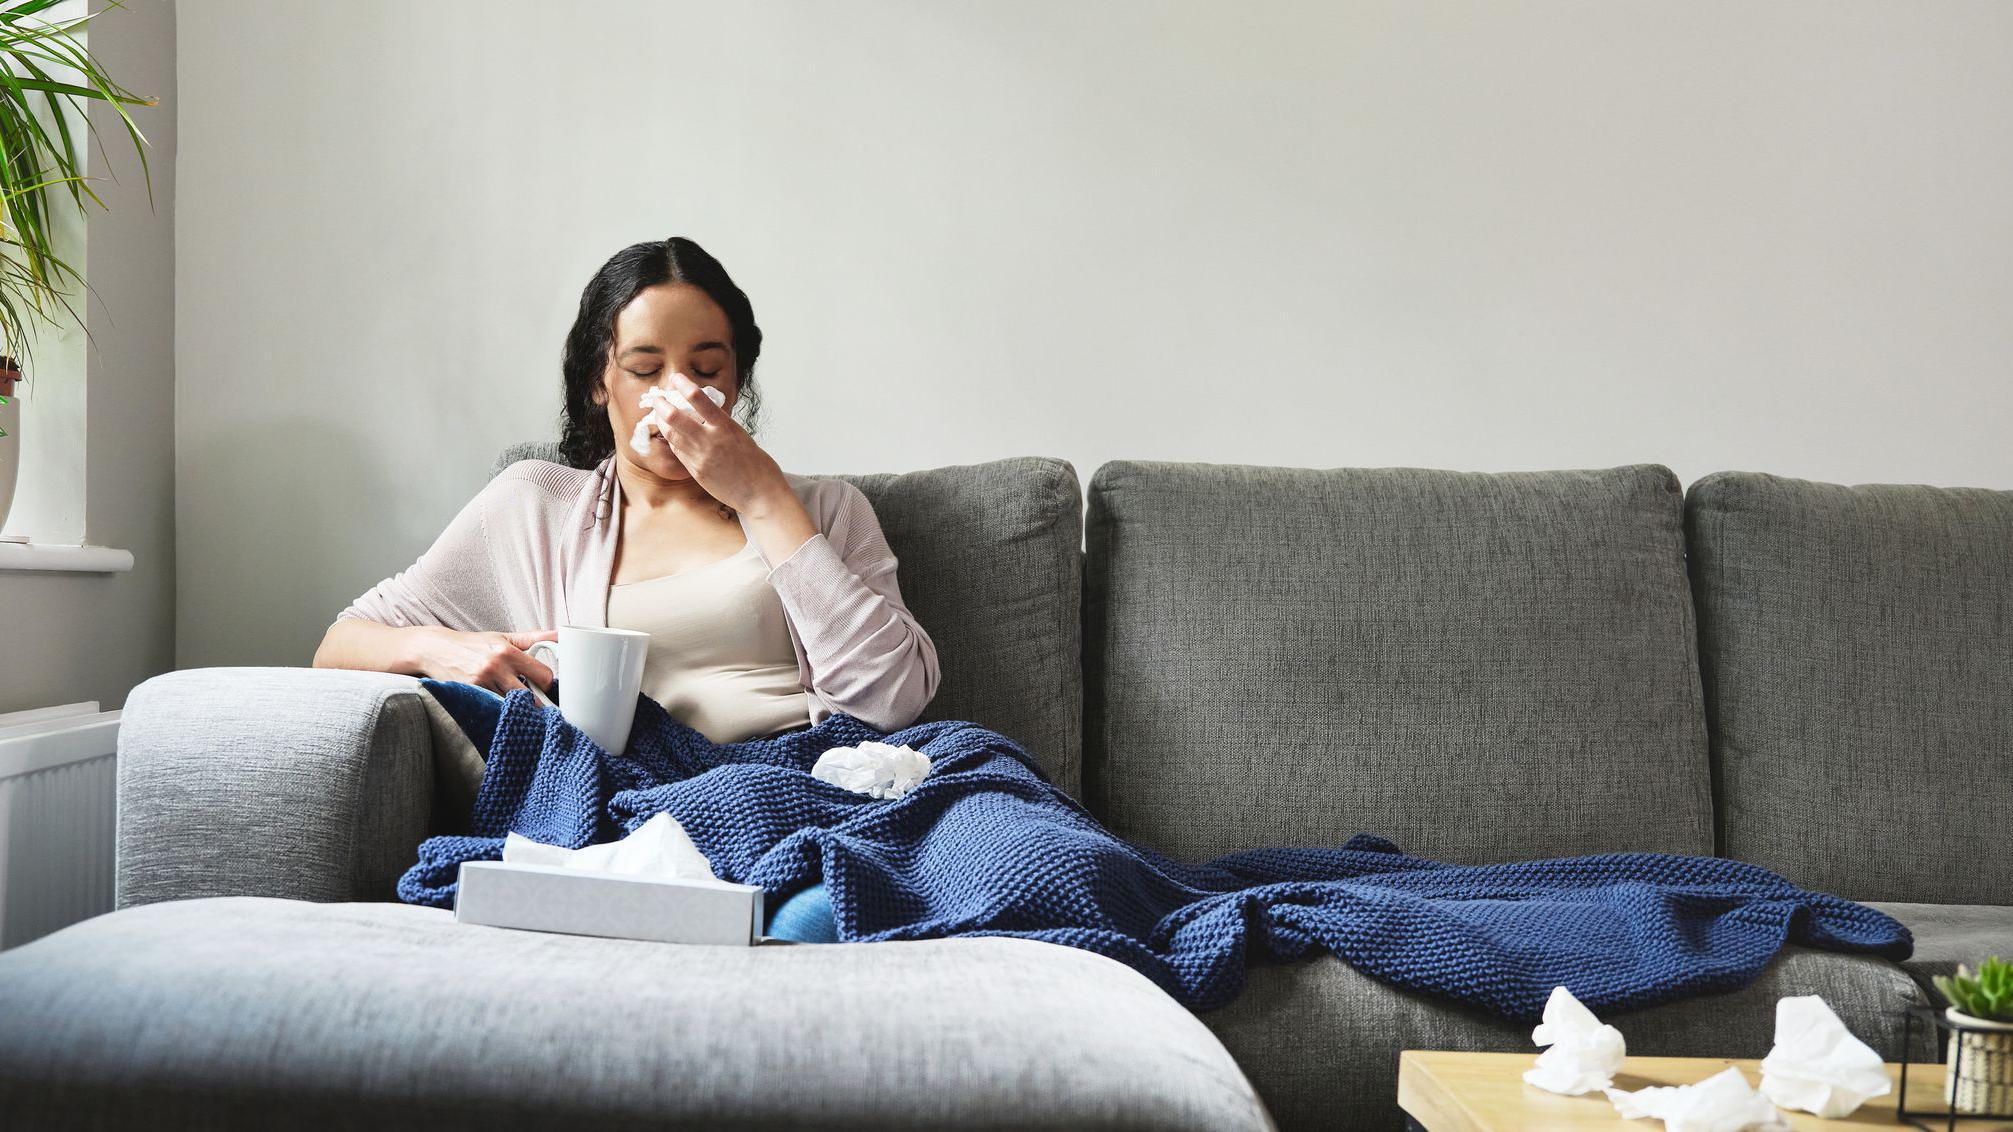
[(308, 783)]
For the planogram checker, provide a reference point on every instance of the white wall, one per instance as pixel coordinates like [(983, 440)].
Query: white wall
[(71, 637), (1475, 235)]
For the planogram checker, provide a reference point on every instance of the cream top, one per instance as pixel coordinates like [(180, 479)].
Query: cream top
[(720, 654)]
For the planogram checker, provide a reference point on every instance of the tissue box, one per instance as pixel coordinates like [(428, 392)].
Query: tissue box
[(548, 898)]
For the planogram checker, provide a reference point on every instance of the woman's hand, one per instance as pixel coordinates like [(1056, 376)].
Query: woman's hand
[(719, 453), (490, 660)]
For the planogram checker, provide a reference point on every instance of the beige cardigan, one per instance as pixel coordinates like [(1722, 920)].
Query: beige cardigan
[(535, 549)]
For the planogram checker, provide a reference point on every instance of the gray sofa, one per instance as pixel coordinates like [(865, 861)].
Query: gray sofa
[(1215, 657)]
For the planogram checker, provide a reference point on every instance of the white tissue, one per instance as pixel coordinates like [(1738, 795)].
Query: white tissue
[(661, 405), (1584, 1054), (1724, 1102), (880, 769), (658, 847), (1816, 1064)]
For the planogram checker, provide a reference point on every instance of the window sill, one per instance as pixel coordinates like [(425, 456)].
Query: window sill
[(64, 559)]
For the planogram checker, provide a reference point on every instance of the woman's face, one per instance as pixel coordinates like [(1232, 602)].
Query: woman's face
[(672, 326)]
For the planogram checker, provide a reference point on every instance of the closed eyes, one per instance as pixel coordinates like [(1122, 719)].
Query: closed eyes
[(654, 373)]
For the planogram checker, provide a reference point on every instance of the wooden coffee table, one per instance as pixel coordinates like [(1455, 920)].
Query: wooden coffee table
[(1444, 1091)]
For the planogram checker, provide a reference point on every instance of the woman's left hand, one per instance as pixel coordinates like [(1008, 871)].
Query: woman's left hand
[(719, 453)]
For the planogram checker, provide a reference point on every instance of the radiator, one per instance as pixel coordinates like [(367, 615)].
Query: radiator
[(58, 794)]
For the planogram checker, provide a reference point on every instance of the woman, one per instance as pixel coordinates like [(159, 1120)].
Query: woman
[(770, 597)]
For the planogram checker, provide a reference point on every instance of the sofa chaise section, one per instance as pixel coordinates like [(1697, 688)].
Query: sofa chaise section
[(206, 1001), (254, 1012)]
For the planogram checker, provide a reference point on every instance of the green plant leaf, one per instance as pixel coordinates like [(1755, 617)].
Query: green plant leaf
[(80, 57), (1986, 994), (34, 158), (62, 120), (27, 8)]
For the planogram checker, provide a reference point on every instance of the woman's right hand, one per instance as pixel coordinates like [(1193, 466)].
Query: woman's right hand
[(489, 660)]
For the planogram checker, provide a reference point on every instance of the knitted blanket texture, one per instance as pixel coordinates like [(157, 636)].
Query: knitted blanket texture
[(986, 845)]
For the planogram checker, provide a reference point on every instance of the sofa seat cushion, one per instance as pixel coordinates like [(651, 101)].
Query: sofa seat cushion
[(1321, 1040), (259, 1012), (1949, 934)]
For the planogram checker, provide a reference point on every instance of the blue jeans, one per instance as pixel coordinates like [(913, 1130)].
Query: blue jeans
[(805, 917)]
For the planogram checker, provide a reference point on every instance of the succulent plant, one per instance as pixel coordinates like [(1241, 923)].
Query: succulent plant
[(1986, 996)]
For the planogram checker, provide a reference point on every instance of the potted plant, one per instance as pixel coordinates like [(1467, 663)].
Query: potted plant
[(1981, 1021), (42, 62)]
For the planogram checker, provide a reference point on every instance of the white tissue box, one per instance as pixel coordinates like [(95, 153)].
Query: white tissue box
[(549, 898)]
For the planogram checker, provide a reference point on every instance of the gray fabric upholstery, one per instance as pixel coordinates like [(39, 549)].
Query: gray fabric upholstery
[(1481, 667), (1321, 1041), (257, 1013), (1857, 645), (991, 565), (1949, 934), (313, 783), (526, 450)]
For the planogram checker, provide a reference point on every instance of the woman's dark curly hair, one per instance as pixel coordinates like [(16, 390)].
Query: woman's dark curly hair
[(584, 436)]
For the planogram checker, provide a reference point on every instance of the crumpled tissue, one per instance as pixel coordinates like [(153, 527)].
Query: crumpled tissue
[(661, 405), (1584, 1053), (1723, 1102), (882, 770), (659, 847), (1816, 1064)]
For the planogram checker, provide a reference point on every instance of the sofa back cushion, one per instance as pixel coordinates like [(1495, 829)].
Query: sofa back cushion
[(1479, 666), (1857, 647), (991, 563), (526, 450), (992, 566)]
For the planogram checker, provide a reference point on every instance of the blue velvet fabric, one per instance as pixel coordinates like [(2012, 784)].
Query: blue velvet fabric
[(986, 845)]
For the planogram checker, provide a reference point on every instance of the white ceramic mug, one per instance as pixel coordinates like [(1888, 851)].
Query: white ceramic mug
[(602, 675)]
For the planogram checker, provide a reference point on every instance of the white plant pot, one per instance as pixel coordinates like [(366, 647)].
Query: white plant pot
[(1987, 1083)]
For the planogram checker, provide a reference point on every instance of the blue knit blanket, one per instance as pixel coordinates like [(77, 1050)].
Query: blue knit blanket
[(985, 845)]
